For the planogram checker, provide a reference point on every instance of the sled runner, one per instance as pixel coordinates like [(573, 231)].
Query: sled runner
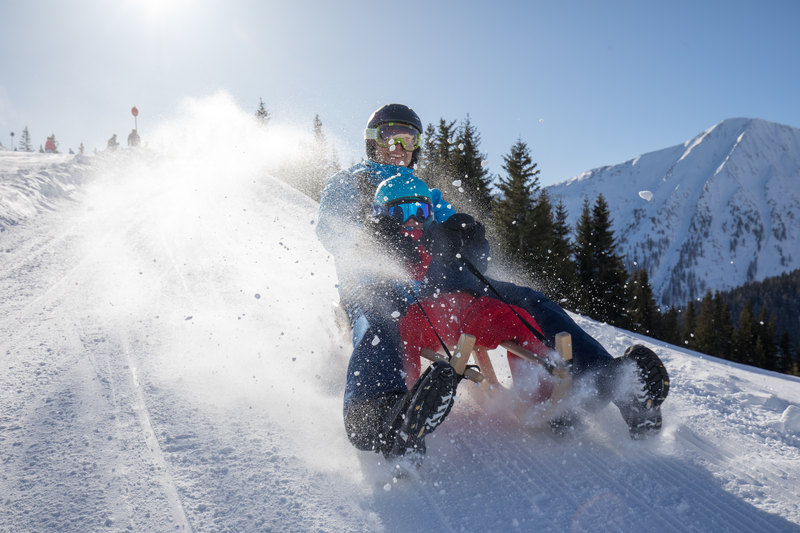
[(485, 373)]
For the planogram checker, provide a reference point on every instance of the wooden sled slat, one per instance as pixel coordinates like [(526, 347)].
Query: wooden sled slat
[(561, 390), (462, 352), (528, 355), (564, 345), (469, 373), (466, 345), (481, 354)]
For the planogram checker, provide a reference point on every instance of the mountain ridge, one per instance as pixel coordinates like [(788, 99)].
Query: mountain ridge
[(724, 209)]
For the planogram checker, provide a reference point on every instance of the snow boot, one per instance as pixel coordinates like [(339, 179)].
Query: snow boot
[(642, 410), (420, 411)]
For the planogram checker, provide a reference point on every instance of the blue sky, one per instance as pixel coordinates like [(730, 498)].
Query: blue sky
[(583, 83)]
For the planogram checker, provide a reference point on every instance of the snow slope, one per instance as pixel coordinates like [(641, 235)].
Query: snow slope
[(169, 361), (715, 212), (32, 181)]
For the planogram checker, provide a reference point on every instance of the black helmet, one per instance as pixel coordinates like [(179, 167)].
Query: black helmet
[(394, 113)]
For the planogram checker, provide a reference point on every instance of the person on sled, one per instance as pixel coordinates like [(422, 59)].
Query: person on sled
[(379, 408), (403, 229)]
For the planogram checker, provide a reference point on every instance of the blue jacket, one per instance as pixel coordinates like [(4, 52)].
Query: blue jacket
[(346, 202)]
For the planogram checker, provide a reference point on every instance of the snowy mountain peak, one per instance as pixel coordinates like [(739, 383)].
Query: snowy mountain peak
[(724, 208)]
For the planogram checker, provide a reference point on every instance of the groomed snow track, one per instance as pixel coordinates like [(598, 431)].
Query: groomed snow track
[(170, 362)]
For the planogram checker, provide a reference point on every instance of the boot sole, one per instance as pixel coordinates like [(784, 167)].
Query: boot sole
[(432, 402), (652, 372)]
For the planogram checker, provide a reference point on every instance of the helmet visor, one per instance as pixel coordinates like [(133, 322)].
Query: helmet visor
[(402, 212), (392, 134)]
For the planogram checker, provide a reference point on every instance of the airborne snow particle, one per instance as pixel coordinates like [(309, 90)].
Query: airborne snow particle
[(647, 195), (376, 340), (484, 163), (457, 183), (258, 296)]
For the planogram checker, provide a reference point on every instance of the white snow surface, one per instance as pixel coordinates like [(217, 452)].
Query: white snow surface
[(170, 362), (723, 208)]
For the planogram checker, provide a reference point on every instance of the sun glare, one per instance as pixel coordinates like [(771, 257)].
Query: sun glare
[(161, 9)]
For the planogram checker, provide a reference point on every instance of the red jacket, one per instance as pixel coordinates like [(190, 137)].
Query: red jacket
[(489, 320)]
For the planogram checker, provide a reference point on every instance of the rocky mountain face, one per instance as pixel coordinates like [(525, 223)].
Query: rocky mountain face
[(715, 212)]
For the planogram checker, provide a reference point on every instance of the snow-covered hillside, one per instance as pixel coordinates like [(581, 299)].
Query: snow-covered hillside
[(723, 208), (32, 181), (169, 362)]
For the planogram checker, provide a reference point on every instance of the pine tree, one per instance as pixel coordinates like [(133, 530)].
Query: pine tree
[(584, 259), (318, 162), (80, 148), (542, 236), (41, 150), (706, 328), (424, 166), (512, 209), (323, 162), (746, 337), (767, 333), (784, 354), (671, 331), (55, 144), (643, 313), (262, 115), (689, 327), (613, 275), (723, 335), (25, 141), (440, 159), (601, 272), (563, 268), (468, 168), (795, 362)]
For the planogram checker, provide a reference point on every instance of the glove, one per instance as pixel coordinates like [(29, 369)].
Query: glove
[(467, 227), (456, 233), (386, 232)]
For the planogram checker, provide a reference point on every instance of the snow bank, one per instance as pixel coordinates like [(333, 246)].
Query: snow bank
[(32, 182)]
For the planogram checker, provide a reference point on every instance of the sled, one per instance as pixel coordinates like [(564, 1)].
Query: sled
[(485, 373), (482, 372)]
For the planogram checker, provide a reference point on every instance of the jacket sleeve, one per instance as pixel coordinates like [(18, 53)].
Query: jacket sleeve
[(442, 210), (338, 226)]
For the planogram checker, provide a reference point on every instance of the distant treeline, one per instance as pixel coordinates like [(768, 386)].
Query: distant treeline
[(581, 267)]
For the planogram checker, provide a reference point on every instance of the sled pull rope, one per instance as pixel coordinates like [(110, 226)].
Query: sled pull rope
[(486, 282), (449, 355)]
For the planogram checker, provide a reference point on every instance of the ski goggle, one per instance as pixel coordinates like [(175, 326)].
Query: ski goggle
[(402, 212), (390, 134)]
